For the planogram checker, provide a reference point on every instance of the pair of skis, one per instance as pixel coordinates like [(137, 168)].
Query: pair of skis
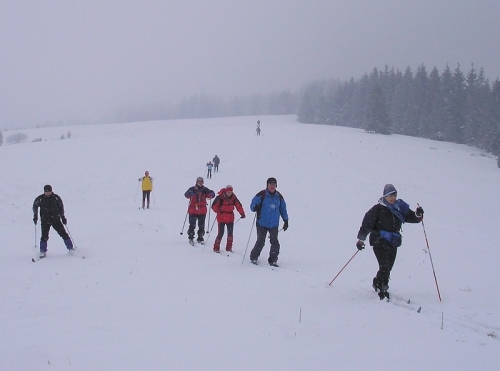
[(191, 242), (70, 253), (397, 301)]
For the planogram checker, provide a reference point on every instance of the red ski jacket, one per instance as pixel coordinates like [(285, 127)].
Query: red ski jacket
[(224, 206), (198, 199)]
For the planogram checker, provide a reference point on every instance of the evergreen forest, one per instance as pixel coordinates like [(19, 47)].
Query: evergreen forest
[(450, 106)]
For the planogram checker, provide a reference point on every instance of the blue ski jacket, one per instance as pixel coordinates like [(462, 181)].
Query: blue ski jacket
[(269, 208)]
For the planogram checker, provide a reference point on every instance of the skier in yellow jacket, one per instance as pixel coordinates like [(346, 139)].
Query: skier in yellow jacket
[(147, 187)]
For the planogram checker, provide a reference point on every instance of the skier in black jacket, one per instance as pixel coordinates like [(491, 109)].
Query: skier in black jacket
[(51, 214), (383, 222)]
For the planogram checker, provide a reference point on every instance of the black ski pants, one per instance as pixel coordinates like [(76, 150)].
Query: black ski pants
[(192, 225), (145, 196), (58, 226), (261, 241), (386, 256), (220, 227)]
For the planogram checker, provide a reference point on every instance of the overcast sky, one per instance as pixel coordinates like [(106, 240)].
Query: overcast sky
[(85, 59)]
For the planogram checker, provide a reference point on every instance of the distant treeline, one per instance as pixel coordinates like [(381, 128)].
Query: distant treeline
[(206, 106), (450, 106)]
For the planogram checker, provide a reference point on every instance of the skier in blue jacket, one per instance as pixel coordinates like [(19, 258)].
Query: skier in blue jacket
[(269, 205)]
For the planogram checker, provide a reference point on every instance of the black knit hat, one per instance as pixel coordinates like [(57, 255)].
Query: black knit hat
[(272, 180), (47, 188)]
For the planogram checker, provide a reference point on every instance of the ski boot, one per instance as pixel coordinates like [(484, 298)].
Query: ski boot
[(383, 293), (273, 264)]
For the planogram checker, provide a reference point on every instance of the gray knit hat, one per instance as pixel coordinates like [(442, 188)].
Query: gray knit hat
[(389, 189)]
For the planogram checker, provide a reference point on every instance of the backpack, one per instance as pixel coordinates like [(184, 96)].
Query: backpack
[(220, 200)]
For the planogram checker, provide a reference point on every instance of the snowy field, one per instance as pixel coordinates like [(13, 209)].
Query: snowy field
[(144, 299)]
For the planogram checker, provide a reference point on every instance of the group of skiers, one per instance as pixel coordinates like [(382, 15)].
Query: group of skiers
[(213, 165), (382, 222), (269, 205)]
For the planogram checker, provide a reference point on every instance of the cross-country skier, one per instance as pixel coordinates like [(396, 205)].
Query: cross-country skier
[(147, 188), (197, 208), (216, 161), (224, 205), (269, 205), (51, 215), (383, 222), (209, 169)]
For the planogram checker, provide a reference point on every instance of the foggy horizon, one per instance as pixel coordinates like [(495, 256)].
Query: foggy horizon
[(84, 61)]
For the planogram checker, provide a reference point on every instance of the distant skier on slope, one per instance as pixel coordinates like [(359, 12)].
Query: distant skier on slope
[(216, 161), (209, 169), (258, 127), (224, 205), (147, 188), (51, 215), (197, 208), (383, 222)]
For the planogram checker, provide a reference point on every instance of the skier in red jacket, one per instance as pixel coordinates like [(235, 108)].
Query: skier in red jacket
[(224, 205), (197, 208)]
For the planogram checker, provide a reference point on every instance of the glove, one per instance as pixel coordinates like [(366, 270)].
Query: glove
[(419, 212), (285, 226), (360, 245), (256, 208), (35, 219), (243, 216), (64, 220)]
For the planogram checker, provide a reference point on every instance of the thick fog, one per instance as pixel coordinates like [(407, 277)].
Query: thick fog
[(81, 61)]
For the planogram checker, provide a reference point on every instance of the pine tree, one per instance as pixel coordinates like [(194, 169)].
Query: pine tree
[(402, 102), (434, 128), (495, 116), (458, 107), (306, 110), (378, 112)]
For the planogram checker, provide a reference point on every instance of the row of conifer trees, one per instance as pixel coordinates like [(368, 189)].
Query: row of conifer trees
[(449, 106)]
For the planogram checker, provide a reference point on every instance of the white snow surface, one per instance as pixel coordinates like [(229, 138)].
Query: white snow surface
[(144, 299)]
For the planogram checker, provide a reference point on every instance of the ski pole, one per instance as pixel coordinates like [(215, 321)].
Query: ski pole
[(36, 246), (209, 234), (430, 257), (70, 236), (136, 191), (251, 229), (185, 218), (334, 278), (209, 212)]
